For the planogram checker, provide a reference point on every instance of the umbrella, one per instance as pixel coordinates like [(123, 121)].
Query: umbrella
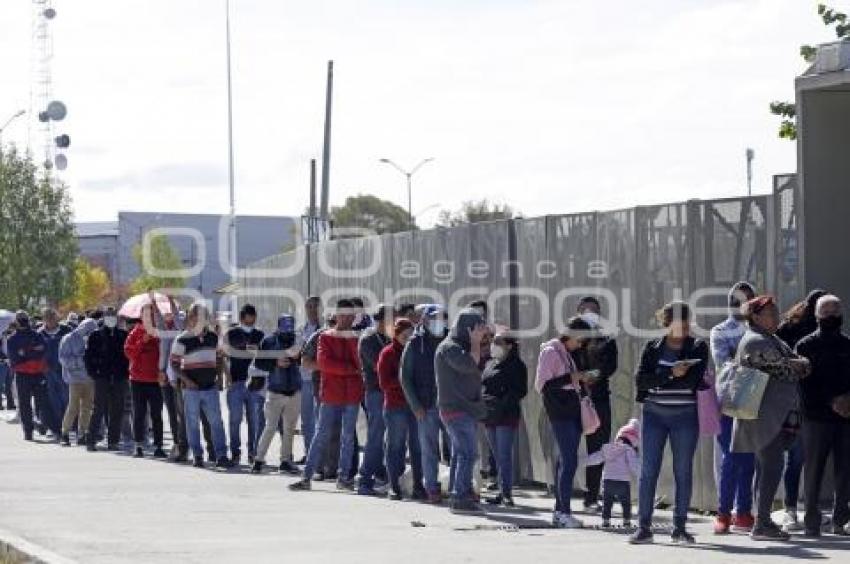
[(6, 317), (132, 308)]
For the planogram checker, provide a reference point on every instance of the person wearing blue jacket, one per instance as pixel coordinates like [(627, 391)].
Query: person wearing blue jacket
[(27, 350), (57, 390), (278, 357), (72, 356), (419, 383)]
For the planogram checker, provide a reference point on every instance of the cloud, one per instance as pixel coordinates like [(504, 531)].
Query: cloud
[(162, 178)]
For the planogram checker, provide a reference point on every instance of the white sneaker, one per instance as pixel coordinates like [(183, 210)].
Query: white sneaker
[(564, 521), (790, 523)]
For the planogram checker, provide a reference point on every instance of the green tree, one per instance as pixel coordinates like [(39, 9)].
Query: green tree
[(91, 286), (788, 110), (369, 212), (37, 240), (161, 256), (475, 212)]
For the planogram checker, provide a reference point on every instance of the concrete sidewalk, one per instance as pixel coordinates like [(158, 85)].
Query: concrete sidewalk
[(112, 508)]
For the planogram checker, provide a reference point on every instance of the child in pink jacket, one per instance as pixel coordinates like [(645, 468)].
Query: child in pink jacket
[(621, 465)]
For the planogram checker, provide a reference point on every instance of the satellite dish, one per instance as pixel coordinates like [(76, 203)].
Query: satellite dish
[(43, 117), (48, 164), (61, 161), (49, 13), (63, 141), (56, 110)]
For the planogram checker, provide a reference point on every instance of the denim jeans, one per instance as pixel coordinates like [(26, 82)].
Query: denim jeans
[(308, 412), (429, 446), (501, 440), (737, 470), (681, 425), (374, 455), (402, 433), (794, 459), (239, 403), (207, 402), (328, 416), (5, 383), (257, 401), (568, 436), (617, 490), (463, 432), (57, 394)]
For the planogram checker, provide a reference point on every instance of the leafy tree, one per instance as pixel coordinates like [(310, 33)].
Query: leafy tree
[(369, 212), (161, 256), (91, 286), (788, 110), (37, 240), (475, 212)]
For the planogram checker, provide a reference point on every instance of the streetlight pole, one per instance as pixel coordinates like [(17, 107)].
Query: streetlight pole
[(14, 116), (232, 230), (409, 174)]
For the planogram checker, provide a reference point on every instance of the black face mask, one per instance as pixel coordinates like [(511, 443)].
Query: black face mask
[(831, 324)]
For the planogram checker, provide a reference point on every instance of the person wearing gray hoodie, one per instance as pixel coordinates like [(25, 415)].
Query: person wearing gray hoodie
[(72, 352), (459, 400)]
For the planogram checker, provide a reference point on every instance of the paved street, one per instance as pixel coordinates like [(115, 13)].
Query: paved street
[(112, 508)]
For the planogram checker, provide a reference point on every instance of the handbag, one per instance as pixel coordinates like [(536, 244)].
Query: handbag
[(708, 406), (590, 422), (740, 390)]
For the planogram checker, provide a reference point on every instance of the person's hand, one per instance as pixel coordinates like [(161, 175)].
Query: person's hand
[(801, 366), (680, 369), (163, 379), (841, 406), (284, 362)]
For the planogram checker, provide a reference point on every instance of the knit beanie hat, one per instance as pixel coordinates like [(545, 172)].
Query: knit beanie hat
[(630, 431)]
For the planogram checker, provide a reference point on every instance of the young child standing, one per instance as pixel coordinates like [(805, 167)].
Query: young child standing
[(621, 465)]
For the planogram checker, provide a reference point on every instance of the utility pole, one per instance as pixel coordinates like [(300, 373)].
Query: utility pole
[(231, 177), (326, 148), (751, 154)]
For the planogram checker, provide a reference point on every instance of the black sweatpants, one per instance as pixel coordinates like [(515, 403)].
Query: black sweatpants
[(617, 490), (770, 463), (32, 389), (594, 442), (147, 396), (821, 439), (108, 404)]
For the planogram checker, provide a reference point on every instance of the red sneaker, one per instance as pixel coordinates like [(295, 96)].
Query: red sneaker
[(743, 523), (722, 524)]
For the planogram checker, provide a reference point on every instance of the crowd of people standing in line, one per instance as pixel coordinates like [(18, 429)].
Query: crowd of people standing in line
[(433, 391)]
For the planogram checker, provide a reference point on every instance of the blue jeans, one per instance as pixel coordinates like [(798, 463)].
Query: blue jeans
[(463, 432), (195, 401), (308, 412), (568, 435), (257, 399), (402, 433), (737, 470), (429, 446), (681, 425), (5, 376), (502, 446), (239, 402), (328, 416), (57, 394), (793, 468), (374, 455)]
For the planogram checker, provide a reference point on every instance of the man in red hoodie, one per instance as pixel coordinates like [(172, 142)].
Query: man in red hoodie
[(341, 393), (142, 350)]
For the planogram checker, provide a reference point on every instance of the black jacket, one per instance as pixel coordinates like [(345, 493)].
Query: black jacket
[(105, 358), (650, 376), (284, 381), (600, 353), (504, 384), (829, 353)]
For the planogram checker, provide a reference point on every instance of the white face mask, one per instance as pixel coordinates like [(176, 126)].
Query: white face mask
[(247, 328), (591, 318), (437, 327), (498, 351), (110, 322)]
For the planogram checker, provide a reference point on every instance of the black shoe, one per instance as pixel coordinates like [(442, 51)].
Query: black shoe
[(768, 532), (66, 440), (140, 453), (396, 495), (159, 453), (113, 447), (225, 463), (257, 467), (419, 494), (236, 459), (302, 461), (181, 458), (345, 485), (28, 437), (301, 486), (681, 536), (508, 501), (211, 456), (641, 536), (82, 439), (811, 533), (493, 487), (91, 447), (840, 530), (497, 500), (286, 467), (198, 462), (319, 477), (251, 459), (466, 507)]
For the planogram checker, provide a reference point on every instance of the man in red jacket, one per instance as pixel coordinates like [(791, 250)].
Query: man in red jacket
[(341, 392), (142, 350)]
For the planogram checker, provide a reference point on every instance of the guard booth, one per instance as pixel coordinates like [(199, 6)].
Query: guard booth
[(823, 166)]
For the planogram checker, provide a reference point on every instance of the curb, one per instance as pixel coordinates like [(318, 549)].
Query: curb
[(19, 551)]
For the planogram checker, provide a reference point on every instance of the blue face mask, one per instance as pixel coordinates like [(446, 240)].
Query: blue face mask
[(437, 327)]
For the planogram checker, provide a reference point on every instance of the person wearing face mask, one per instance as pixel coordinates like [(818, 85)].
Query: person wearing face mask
[(27, 352), (735, 480), (599, 354), (57, 390), (826, 417), (72, 351), (240, 346), (108, 367), (401, 424), (505, 384), (419, 384)]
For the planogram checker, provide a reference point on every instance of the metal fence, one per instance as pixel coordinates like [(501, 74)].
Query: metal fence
[(532, 271)]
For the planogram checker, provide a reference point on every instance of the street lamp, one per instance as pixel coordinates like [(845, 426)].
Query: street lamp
[(409, 174), (15, 116)]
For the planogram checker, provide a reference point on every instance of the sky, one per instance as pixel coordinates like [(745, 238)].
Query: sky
[(549, 106)]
